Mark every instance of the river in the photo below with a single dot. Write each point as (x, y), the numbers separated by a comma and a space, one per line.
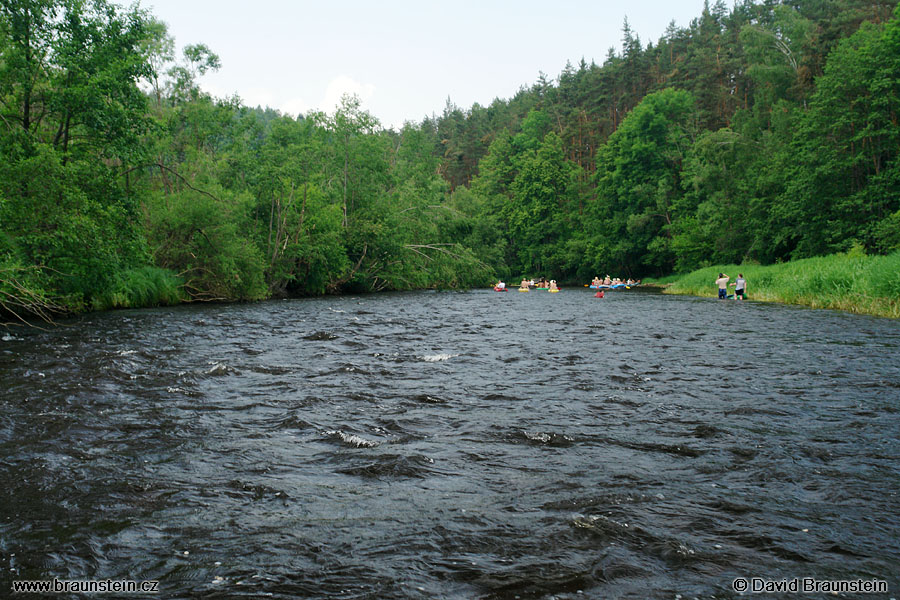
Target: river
(453, 445)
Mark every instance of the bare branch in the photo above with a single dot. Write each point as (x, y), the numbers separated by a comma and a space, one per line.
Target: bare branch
(163, 167)
(438, 248)
(453, 210)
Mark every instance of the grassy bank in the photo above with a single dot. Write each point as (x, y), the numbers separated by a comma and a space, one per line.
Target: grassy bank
(852, 282)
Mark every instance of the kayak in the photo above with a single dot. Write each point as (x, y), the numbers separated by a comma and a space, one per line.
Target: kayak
(553, 291)
(523, 289)
(496, 289)
(540, 288)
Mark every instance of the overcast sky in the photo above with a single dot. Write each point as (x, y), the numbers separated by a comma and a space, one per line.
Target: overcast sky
(403, 58)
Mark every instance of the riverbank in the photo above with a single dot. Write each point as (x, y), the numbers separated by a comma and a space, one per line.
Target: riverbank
(851, 282)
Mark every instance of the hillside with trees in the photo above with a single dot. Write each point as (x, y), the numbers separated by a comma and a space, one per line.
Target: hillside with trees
(760, 134)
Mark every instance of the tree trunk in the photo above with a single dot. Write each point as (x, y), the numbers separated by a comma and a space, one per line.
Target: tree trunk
(346, 170)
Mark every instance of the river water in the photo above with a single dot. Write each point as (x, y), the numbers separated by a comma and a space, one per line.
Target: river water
(453, 445)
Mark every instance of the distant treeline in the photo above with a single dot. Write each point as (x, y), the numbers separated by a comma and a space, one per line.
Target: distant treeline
(764, 133)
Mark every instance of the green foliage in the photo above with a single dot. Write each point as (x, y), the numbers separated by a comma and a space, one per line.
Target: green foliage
(715, 216)
(639, 182)
(70, 220)
(72, 115)
(198, 236)
(845, 177)
(885, 234)
(775, 52)
(472, 224)
(312, 205)
(536, 219)
(299, 228)
(405, 235)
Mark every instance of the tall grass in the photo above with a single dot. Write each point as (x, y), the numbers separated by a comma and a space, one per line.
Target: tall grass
(852, 282)
(141, 287)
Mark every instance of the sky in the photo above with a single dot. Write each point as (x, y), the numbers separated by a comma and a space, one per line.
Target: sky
(403, 58)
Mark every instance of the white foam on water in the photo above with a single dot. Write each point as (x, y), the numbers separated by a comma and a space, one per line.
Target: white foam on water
(437, 357)
(352, 439)
(538, 437)
(218, 368)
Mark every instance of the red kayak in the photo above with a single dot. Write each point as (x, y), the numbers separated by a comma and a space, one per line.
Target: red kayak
(496, 289)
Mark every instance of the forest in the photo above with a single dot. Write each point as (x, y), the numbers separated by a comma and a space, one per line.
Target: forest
(759, 134)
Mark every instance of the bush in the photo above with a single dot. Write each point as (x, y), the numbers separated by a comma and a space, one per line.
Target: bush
(200, 238)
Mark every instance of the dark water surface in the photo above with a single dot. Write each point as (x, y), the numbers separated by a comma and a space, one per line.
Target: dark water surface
(453, 445)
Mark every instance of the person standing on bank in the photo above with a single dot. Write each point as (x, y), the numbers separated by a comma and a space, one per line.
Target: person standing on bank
(722, 282)
(740, 287)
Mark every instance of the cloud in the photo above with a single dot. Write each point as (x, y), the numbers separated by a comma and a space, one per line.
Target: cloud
(293, 104)
(341, 85)
(294, 107)
(257, 97)
(267, 98)
(251, 96)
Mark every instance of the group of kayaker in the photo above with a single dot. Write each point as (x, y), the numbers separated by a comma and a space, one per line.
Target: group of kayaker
(540, 284)
(528, 284)
(550, 285)
(740, 285)
(611, 281)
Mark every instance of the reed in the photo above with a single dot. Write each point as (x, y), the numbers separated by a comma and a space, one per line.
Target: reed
(142, 287)
(851, 282)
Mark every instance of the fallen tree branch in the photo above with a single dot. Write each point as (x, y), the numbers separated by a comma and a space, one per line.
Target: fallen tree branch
(19, 301)
(438, 248)
(336, 284)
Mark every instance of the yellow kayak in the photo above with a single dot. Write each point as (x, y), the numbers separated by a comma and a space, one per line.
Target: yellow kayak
(523, 289)
(553, 291)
